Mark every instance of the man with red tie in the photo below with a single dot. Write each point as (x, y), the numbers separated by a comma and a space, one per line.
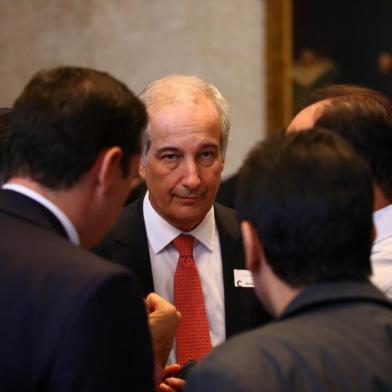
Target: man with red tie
(183, 239)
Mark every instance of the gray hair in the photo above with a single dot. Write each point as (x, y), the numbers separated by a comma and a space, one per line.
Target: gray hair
(174, 89)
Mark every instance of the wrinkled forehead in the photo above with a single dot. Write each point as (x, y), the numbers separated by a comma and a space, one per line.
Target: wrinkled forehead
(307, 117)
(189, 115)
(182, 100)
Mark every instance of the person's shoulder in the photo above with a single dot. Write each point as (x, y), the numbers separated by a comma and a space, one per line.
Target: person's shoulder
(130, 221)
(227, 191)
(241, 363)
(79, 265)
(227, 213)
(227, 220)
(131, 213)
(262, 346)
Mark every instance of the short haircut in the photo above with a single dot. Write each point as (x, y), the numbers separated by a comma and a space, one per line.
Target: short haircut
(341, 90)
(65, 118)
(309, 196)
(4, 123)
(177, 89)
(363, 117)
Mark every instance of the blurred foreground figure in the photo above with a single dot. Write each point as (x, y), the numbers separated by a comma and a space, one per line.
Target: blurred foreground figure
(306, 202)
(362, 117)
(70, 321)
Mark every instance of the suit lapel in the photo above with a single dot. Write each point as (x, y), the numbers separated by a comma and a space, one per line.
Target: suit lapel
(242, 307)
(238, 301)
(132, 246)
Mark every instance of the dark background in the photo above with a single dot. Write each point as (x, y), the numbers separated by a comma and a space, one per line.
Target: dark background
(350, 32)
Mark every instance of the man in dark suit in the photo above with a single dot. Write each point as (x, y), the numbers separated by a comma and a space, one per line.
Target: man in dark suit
(363, 117)
(307, 228)
(69, 320)
(183, 157)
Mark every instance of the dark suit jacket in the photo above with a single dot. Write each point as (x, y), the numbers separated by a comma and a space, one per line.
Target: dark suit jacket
(332, 337)
(127, 244)
(227, 191)
(69, 320)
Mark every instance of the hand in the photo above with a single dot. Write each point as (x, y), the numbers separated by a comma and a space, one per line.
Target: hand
(163, 319)
(171, 384)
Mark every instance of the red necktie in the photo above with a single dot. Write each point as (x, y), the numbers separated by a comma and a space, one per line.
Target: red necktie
(192, 338)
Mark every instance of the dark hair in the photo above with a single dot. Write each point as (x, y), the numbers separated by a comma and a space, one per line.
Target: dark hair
(64, 118)
(364, 120)
(4, 120)
(340, 90)
(310, 197)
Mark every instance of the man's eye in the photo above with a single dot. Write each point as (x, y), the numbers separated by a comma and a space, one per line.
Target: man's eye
(207, 154)
(170, 157)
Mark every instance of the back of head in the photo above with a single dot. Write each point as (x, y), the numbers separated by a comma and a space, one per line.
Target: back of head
(182, 89)
(309, 196)
(364, 119)
(341, 90)
(64, 118)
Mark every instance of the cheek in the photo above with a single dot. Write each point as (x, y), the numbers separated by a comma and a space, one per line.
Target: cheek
(212, 178)
(155, 170)
(160, 185)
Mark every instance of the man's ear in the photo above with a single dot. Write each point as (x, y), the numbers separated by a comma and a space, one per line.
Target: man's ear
(142, 168)
(253, 250)
(108, 168)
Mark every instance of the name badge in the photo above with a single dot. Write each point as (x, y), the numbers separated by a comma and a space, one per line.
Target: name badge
(243, 278)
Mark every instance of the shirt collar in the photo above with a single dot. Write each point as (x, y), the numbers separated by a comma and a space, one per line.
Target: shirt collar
(64, 220)
(382, 220)
(161, 233)
(329, 293)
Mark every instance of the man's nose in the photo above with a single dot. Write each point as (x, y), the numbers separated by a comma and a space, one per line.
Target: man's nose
(191, 177)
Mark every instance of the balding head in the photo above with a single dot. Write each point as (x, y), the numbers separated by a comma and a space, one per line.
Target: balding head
(308, 116)
(177, 90)
(363, 117)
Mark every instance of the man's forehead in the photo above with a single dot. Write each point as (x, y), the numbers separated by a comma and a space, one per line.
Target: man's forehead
(307, 117)
(196, 103)
(170, 119)
(177, 139)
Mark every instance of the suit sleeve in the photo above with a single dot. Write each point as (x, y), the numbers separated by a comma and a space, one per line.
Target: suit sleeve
(212, 378)
(106, 344)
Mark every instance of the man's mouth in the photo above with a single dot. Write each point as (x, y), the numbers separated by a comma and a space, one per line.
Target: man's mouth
(189, 199)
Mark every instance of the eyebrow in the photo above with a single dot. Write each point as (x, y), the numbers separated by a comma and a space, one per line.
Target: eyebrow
(162, 150)
(166, 149)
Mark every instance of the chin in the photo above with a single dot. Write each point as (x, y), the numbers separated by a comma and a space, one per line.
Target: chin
(186, 224)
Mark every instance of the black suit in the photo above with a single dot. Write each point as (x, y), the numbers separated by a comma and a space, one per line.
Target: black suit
(127, 244)
(69, 320)
(332, 337)
(227, 191)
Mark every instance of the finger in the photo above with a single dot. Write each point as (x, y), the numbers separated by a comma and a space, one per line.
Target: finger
(152, 301)
(171, 369)
(176, 383)
(165, 388)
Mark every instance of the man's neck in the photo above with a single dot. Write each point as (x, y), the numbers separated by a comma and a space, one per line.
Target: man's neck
(283, 295)
(274, 292)
(380, 201)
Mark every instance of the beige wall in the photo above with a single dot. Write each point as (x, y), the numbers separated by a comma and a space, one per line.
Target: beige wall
(140, 40)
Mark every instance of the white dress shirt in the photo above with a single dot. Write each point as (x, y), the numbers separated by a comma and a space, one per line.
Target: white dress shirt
(382, 251)
(207, 255)
(64, 220)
